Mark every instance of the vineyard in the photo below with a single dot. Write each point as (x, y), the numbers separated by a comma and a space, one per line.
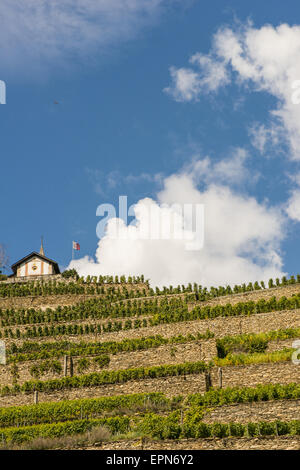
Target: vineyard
(112, 362)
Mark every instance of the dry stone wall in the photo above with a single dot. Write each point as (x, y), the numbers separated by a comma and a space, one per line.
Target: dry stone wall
(24, 279)
(43, 301)
(221, 326)
(230, 443)
(240, 376)
(284, 410)
(53, 301)
(258, 323)
(233, 376)
(165, 354)
(254, 296)
(280, 344)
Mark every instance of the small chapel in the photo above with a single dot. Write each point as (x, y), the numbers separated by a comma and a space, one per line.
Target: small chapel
(35, 264)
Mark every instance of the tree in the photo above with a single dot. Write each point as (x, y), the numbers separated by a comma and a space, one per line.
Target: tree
(4, 259)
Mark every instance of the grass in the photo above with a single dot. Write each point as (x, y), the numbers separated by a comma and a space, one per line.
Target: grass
(283, 355)
(94, 437)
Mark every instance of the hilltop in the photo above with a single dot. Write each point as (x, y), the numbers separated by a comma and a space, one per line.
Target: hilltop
(114, 362)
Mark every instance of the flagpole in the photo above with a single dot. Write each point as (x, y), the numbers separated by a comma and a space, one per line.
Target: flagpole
(72, 250)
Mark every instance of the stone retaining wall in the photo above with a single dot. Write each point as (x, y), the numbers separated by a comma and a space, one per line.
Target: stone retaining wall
(37, 301)
(44, 277)
(43, 301)
(233, 376)
(231, 443)
(221, 326)
(254, 296)
(284, 410)
(165, 354)
(51, 301)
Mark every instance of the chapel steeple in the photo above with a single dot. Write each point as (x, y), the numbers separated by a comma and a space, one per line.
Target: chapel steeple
(42, 247)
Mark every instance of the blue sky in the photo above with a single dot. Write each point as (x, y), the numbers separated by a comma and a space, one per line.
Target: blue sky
(117, 131)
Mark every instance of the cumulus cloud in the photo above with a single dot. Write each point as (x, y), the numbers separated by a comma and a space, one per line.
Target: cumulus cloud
(267, 138)
(293, 205)
(38, 31)
(231, 170)
(104, 182)
(188, 84)
(241, 236)
(264, 59)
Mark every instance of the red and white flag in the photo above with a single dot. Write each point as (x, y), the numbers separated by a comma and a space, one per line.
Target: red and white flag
(76, 246)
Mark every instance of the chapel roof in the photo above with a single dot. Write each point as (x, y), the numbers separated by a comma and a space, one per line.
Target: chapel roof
(37, 255)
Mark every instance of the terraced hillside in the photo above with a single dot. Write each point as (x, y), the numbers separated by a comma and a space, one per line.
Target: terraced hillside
(114, 363)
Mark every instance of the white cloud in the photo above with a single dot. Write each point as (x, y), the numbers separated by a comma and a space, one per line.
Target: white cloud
(259, 136)
(38, 31)
(102, 182)
(230, 171)
(143, 177)
(268, 58)
(187, 84)
(242, 236)
(293, 205)
(270, 138)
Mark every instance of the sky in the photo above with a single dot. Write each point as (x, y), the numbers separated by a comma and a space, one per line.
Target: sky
(166, 102)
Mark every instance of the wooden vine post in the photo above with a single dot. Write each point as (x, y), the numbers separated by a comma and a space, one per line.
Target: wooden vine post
(71, 366)
(65, 365)
(208, 383)
(35, 397)
(220, 375)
